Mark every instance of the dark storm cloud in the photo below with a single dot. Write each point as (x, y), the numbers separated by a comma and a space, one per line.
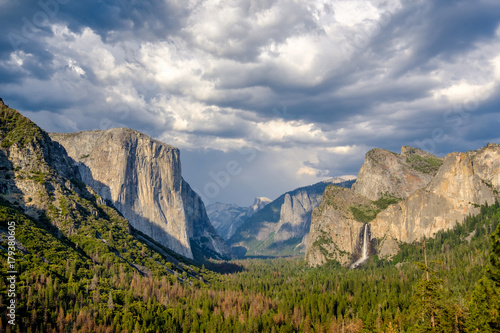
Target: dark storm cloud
(295, 80)
(23, 25)
(433, 29)
(150, 20)
(437, 29)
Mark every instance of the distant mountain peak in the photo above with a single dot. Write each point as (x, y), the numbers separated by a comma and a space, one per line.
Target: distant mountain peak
(227, 218)
(281, 226)
(257, 205)
(338, 180)
(261, 199)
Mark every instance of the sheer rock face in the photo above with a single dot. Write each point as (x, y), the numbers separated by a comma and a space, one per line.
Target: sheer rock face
(487, 164)
(334, 233)
(282, 226)
(295, 215)
(142, 178)
(398, 175)
(463, 182)
(432, 200)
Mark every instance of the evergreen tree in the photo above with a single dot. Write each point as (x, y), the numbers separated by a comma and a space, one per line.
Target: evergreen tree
(485, 304)
(484, 316)
(430, 312)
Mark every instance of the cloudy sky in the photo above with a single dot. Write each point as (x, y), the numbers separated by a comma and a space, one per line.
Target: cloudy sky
(261, 96)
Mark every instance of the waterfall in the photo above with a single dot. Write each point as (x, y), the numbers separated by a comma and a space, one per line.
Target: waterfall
(364, 255)
(364, 250)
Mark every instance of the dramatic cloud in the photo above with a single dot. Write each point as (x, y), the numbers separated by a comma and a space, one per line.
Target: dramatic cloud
(290, 91)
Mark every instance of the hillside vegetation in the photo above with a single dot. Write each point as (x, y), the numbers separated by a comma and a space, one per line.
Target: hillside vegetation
(81, 267)
(66, 286)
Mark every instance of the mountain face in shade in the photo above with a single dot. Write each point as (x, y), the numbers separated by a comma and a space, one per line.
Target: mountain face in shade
(142, 178)
(335, 229)
(227, 218)
(282, 226)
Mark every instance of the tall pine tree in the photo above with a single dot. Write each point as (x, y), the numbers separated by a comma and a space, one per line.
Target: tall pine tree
(485, 305)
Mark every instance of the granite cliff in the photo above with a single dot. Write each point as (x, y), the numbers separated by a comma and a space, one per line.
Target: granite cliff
(335, 231)
(386, 173)
(463, 182)
(141, 177)
(403, 198)
(282, 226)
(227, 218)
(63, 228)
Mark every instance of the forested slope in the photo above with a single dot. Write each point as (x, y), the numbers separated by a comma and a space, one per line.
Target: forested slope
(95, 291)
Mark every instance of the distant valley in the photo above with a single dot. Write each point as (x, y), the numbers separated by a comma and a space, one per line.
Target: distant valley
(108, 237)
(227, 218)
(282, 226)
(399, 197)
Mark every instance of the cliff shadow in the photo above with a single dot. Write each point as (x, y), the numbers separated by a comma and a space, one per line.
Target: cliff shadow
(12, 197)
(8, 188)
(84, 178)
(223, 267)
(239, 251)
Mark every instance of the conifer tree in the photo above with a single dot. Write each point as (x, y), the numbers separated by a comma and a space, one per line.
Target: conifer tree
(485, 305)
(430, 311)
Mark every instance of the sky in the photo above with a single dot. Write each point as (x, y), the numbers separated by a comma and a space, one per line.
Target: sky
(260, 96)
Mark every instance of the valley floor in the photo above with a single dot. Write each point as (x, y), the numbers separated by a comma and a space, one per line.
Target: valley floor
(454, 292)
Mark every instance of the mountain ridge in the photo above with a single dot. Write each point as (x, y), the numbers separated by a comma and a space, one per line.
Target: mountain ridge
(227, 218)
(281, 227)
(141, 176)
(42, 191)
(384, 172)
(408, 205)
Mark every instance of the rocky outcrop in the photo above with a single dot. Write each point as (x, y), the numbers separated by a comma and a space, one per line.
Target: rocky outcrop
(60, 220)
(281, 227)
(227, 218)
(35, 172)
(463, 182)
(433, 200)
(398, 175)
(487, 165)
(335, 233)
(141, 177)
(258, 204)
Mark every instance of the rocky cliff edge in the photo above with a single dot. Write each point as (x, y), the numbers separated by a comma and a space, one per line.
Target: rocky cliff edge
(142, 178)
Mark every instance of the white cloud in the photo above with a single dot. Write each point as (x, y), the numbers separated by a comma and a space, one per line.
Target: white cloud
(464, 91)
(341, 150)
(77, 69)
(496, 66)
(307, 171)
(220, 78)
(351, 13)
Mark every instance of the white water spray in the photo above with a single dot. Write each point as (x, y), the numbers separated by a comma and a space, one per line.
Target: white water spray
(364, 251)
